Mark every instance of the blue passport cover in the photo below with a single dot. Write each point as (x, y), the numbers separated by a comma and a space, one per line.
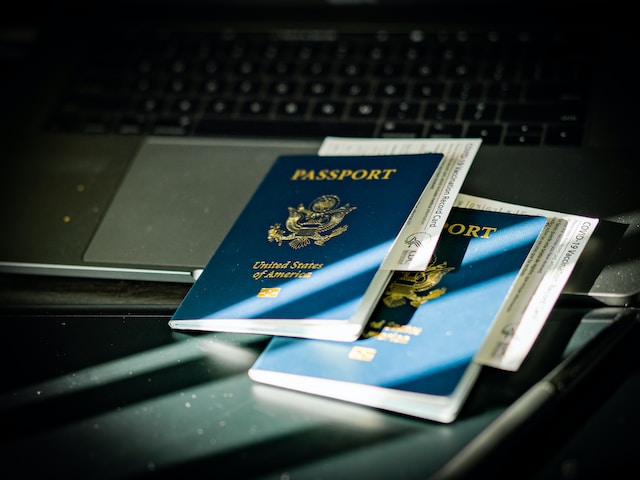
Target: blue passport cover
(303, 257)
(415, 354)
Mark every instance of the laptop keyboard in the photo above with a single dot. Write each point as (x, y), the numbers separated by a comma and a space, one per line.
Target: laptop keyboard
(507, 88)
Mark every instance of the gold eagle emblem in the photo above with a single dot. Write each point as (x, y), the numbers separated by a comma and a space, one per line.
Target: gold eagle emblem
(416, 287)
(316, 223)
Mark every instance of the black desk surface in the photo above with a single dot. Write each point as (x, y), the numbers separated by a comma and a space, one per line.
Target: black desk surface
(91, 391)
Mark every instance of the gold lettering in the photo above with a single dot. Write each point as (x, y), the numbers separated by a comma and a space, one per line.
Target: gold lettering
(472, 231)
(262, 264)
(487, 231)
(343, 174)
(359, 174)
(374, 175)
(388, 172)
(406, 329)
(469, 231)
(299, 174)
(456, 229)
(311, 266)
(393, 337)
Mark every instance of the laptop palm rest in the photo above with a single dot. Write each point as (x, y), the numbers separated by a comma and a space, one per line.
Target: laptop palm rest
(179, 198)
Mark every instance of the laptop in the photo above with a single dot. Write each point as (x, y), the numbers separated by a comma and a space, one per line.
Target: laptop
(134, 132)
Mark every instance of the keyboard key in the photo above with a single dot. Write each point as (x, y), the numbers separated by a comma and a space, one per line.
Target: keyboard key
(430, 90)
(402, 129)
(500, 71)
(504, 91)
(354, 89)
(388, 69)
(213, 66)
(213, 86)
(184, 105)
(485, 112)
(441, 111)
(177, 67)
(424, 70)
(461, 71)
(403, 111)
(466, 91)
(282, 87)
(351, 69)
(172, 126)
(391, 90)
(281, 68)
(365, 109)
(317, 69)
(255, 107)
(221, 107)
(248, 87)
(444, 130)
(490, 134)
(151, 104)
(523, 135)
(146, 85)
(292, 108)
(564, 135)
(329, 109)
(318, 88)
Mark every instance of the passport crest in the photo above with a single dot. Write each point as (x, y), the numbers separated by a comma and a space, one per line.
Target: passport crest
(317, 223)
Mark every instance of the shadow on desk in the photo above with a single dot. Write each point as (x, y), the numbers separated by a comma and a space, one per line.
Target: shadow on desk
(118, 394)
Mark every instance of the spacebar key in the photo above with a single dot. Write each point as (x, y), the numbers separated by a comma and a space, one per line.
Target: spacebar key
(284, 128)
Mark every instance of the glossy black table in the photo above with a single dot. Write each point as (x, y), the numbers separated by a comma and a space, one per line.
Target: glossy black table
(96, 385)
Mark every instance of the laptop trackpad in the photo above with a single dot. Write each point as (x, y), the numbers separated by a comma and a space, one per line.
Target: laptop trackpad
(179, 199)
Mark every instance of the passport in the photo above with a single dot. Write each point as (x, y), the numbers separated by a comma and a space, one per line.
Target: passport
(304, 257)
(416, 353)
